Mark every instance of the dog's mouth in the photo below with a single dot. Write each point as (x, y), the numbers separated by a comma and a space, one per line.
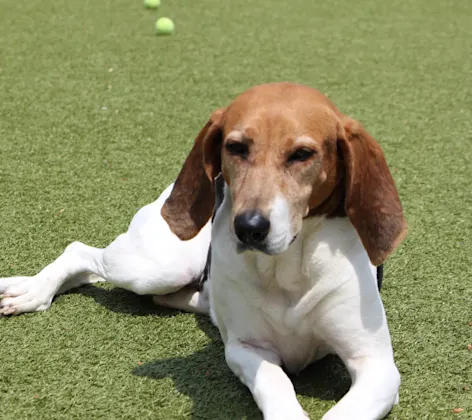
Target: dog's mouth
(242, 247)
(264, 248)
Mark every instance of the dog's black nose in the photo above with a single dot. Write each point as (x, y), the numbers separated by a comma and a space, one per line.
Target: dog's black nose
(251, 227)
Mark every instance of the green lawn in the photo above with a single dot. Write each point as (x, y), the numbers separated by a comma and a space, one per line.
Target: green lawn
(96, 117)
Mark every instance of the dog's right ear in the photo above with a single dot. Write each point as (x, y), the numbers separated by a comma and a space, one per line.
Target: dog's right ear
(371, 202)
(192, 200)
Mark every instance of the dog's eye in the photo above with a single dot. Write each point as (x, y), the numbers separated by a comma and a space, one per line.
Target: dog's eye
(301, 155)
(237, 148)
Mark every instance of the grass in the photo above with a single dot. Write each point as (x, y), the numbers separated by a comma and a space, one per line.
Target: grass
(96, 117)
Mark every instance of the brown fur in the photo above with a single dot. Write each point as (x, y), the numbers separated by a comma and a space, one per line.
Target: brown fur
(372, 203)
(192, 200)
(348, 174)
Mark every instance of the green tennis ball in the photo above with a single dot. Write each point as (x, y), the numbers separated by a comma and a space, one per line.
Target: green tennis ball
(152, 4)
(164, 26)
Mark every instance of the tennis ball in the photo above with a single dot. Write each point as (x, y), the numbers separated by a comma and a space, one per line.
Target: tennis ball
(164, 26)
(152, 4)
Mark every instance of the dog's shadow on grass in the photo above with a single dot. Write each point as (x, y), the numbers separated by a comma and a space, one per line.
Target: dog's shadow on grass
(122, 301)
(204, 376)
(217, 393)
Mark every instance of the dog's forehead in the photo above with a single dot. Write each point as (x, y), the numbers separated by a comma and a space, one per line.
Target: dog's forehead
(281, 110)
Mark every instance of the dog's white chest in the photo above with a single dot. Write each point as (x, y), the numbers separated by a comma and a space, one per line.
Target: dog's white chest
(254, 307)
(273, 299)
(281, 301)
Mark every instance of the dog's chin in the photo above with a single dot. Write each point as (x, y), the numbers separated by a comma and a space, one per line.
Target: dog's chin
(268, 249)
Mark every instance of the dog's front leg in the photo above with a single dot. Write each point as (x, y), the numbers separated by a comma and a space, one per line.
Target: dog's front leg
(374, 390)
(259, 369)
(355, 326)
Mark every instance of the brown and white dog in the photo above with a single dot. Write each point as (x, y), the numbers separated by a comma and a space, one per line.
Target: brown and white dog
(310, 208)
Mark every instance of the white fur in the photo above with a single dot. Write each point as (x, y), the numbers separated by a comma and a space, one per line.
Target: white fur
(279, 236)
(318, 297)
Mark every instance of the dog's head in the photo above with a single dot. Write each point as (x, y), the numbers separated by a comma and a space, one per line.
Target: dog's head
(287, 153)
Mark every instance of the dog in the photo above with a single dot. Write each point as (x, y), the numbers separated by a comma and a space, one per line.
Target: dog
(309, 210)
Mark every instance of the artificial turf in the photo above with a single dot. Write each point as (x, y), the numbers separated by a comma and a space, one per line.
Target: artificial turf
(96, 117)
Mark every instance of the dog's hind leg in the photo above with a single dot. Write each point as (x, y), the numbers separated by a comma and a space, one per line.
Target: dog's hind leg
(162, 266)
(75, 267)
(148, 259)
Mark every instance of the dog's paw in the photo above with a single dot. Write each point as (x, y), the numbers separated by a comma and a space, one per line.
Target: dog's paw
(23, 294)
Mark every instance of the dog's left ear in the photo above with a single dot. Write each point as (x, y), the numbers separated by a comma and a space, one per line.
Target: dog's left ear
(371, 198)
(191, 202)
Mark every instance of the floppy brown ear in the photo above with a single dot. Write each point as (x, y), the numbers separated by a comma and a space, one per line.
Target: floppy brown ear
(191, 202)
(371, 198)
